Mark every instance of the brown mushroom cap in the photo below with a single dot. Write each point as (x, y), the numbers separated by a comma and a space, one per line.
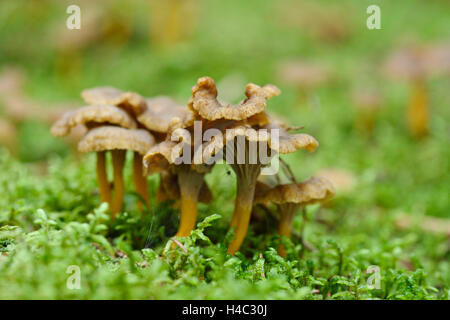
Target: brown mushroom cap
(204, 101)
(343, 180)
(418, 61)
(98, 114)
(287, 143)
(303, 74)
(107, 138)
(161, 111)
(313, 190)
(130, 101)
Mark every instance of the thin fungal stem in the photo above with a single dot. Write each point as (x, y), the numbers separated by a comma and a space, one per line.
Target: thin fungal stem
(246, 181)
(288, 211)
(418, 109)
(190, 183)
(102, 178)
(118, 159)
(140, 182)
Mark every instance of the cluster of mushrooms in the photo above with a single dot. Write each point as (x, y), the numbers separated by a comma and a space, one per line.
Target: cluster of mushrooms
(164, 138)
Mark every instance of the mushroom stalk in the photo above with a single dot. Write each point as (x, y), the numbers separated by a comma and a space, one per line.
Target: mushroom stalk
(190, 182)
(140, 182)
(102, 177)
(118, 159)
(288, 211)
(246, 181)
(418, 109)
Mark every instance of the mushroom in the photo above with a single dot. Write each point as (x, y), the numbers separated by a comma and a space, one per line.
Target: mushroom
(8, 136)
(97, 116)
(118, 140)
(172, 20)
(241, 142)
(205, 104)
(92, 116)
(344, 181)
(168, 156)
(415, 64)
(240, 148)
(303, 75)
(290, 197)
(161, 111)
(367, 104)
(129, 101)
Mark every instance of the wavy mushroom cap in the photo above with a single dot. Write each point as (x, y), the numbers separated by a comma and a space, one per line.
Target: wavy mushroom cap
(95, 114)
(129, 101)
(313, 190)
(289, 143)
(204, 101)
(343, 180)
(106, 138)
(161, 111)
(418, 61)
(285, 143)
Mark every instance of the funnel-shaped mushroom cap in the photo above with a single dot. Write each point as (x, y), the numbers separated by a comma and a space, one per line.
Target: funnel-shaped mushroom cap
(303, 74)
(130, 101)
(418, 62)
(96, 114)
(161, 111)
(107, 138)
(204, 101)
(308, 192)
(289, 143)
(343, 180)
(274, 134)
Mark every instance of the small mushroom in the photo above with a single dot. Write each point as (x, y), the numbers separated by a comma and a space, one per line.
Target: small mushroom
(8, 136)
(304, 76)
(161, 111)
(416, 64)
(367, 104)
(290, 197)
(118, 140)
(204, 101)
(344, 181)
(240, 148)
(131, 102)
(92, 116)
(167, 156)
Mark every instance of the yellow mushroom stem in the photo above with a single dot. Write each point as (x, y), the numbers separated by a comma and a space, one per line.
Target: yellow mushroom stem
(418, 109)
(102, 177)
(287, 211)
(246, 180)
(118, 160)
(140, 182)
(190, 182)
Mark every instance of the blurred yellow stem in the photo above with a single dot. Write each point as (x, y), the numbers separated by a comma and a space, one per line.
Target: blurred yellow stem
(418, 109)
